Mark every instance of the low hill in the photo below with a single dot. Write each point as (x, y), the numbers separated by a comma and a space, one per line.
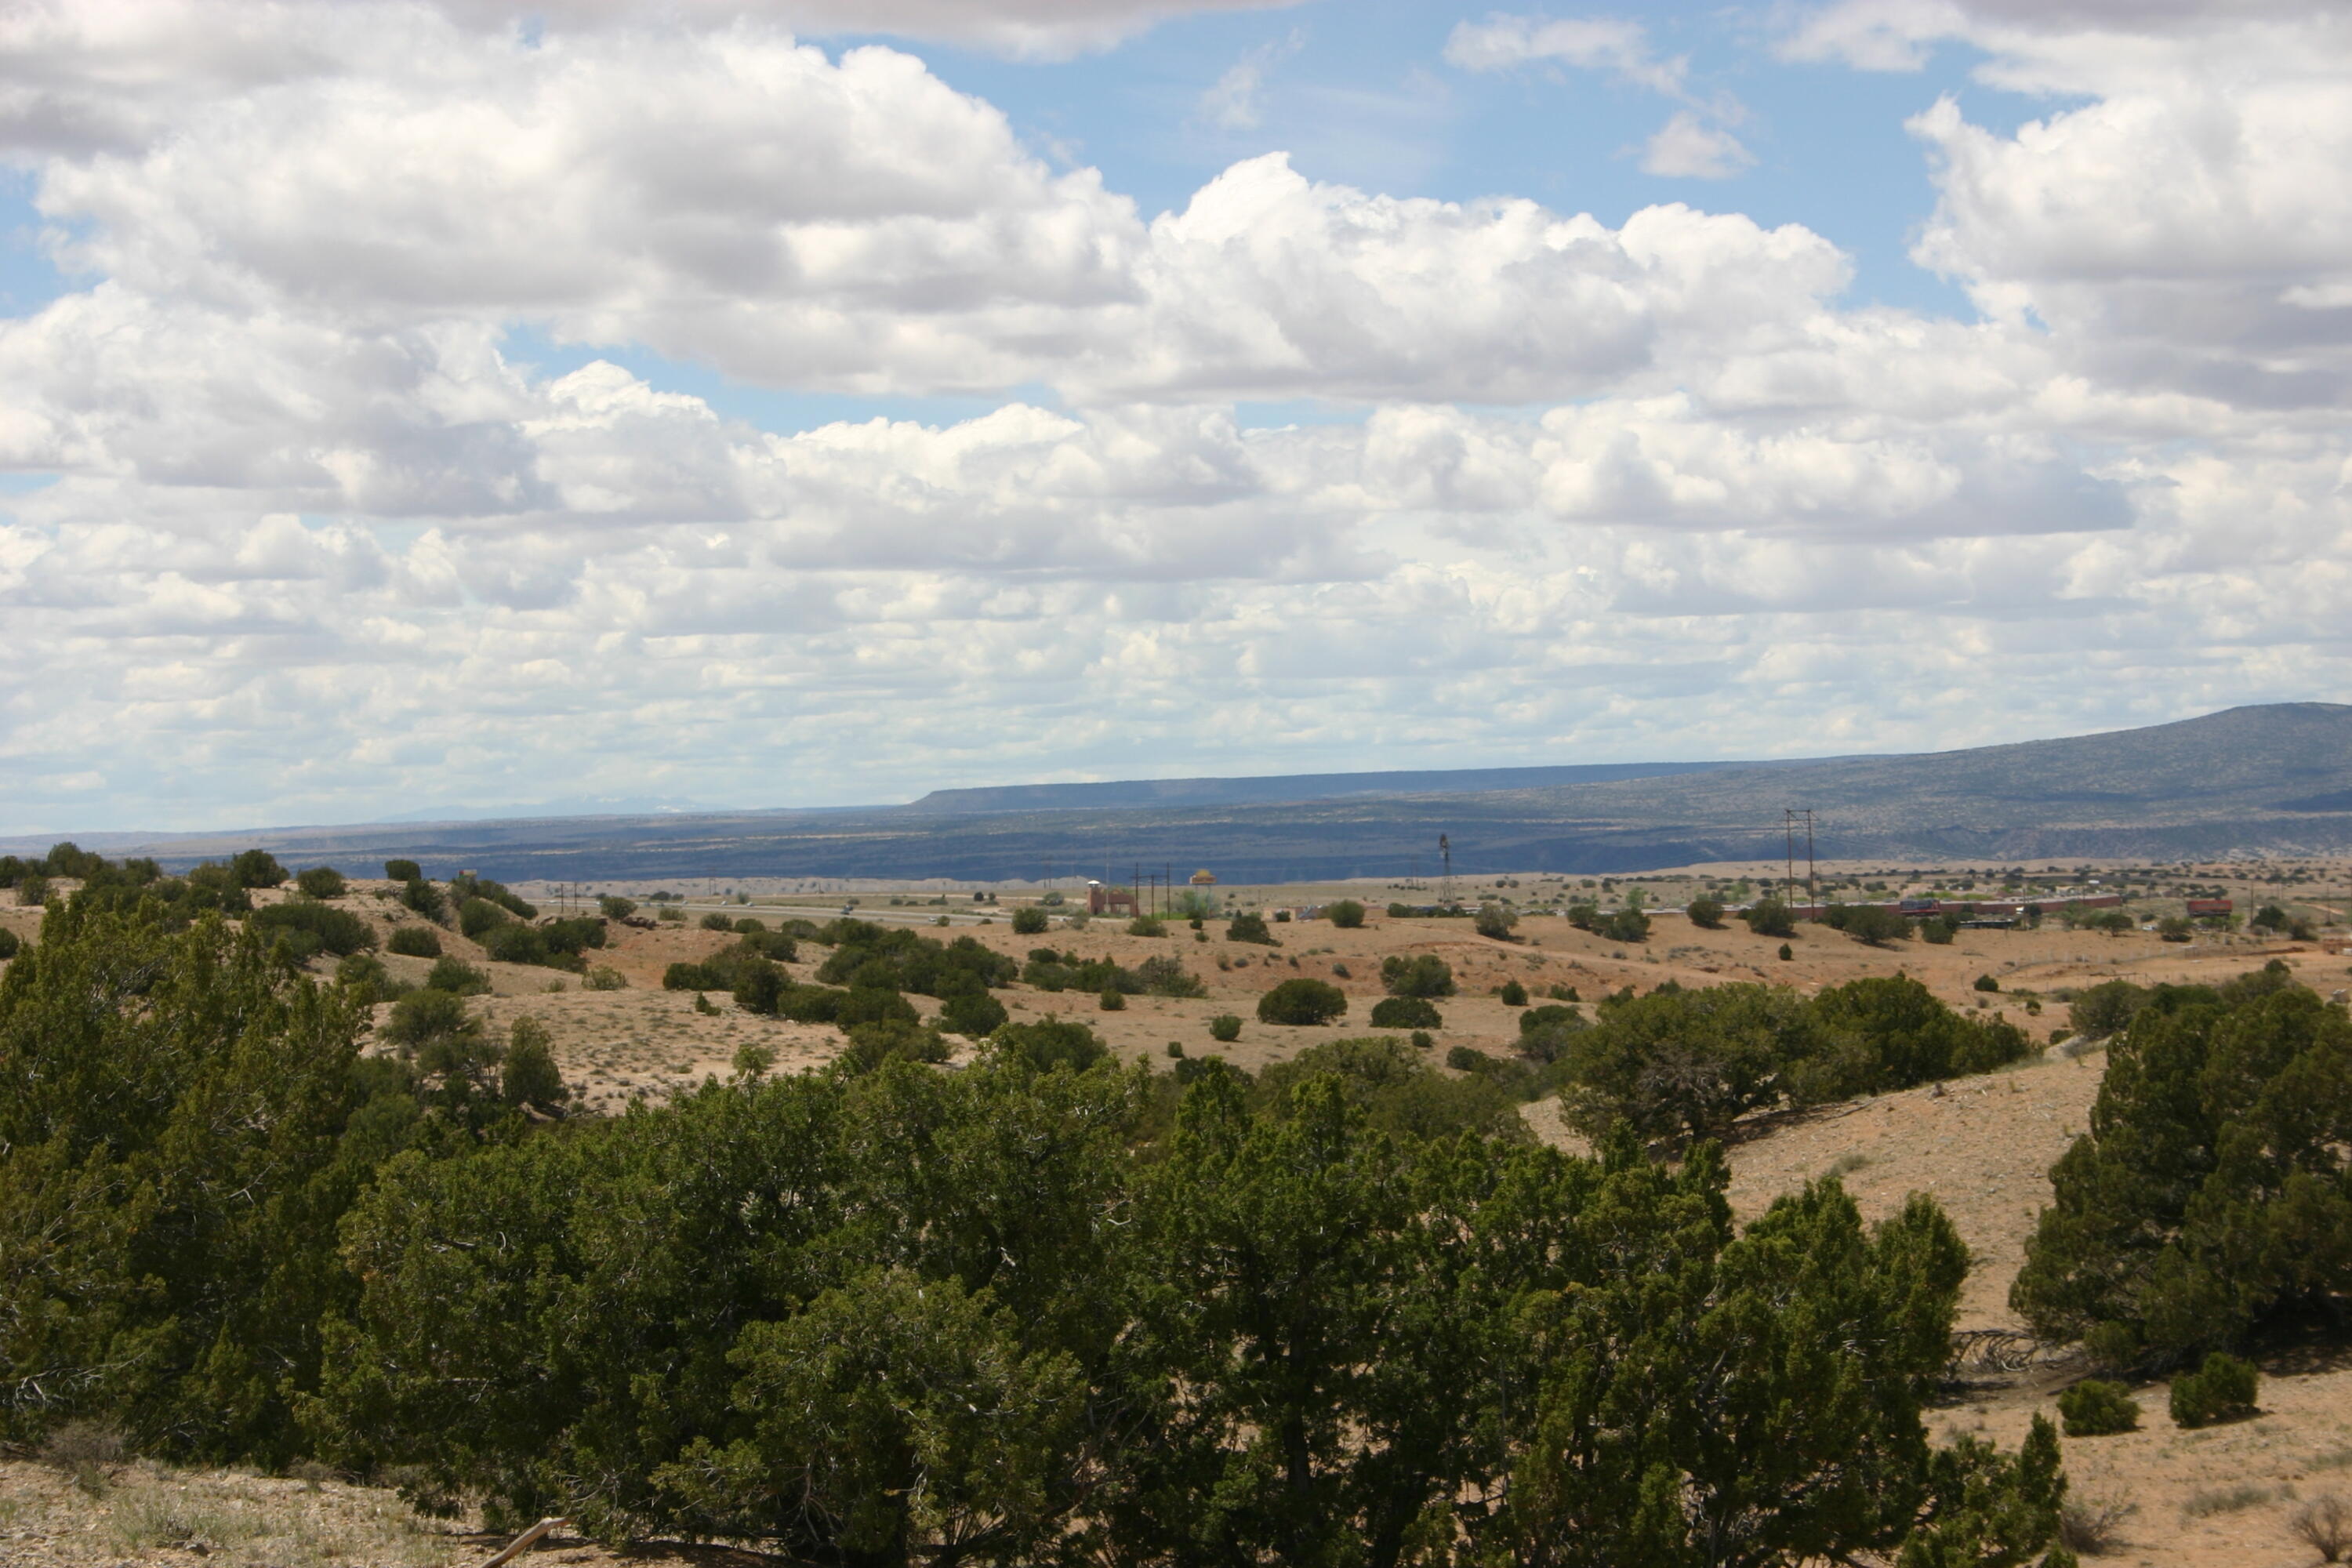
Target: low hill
(1275, 789)
(2249, 780)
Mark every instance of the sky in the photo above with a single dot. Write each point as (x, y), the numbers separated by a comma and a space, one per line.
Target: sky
(461, 406)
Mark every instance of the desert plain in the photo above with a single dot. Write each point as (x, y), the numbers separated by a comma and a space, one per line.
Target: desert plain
(1983, 1147)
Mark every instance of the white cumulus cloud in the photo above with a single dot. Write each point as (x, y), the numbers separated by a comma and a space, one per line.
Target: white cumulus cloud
(1685, 148)
(1610, 44)
(321, 541)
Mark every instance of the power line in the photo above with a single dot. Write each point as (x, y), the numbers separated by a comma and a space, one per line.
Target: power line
(1790, 817)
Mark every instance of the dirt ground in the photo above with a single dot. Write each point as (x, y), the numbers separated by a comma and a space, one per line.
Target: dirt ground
(641, 1040)
(140, 1515)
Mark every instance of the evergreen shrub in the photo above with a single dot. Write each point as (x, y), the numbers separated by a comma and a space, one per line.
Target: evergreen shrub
(2221, 1390)
(2095, 1407)
(1302, 1001)
(413, 941)
(1406, 1012)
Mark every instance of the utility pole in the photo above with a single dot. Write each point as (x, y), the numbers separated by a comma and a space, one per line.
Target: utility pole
(1791, 816)
(1813, 894)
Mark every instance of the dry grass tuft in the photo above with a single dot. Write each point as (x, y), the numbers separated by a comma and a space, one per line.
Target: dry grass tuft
(233, 1518)
(2091, 1527)
(2224, 1499)
(251, 1523)
(86, 1450)
(2324, 1524)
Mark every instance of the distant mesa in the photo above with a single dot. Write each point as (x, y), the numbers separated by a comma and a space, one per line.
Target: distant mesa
(2339, 801)
(2248, 781)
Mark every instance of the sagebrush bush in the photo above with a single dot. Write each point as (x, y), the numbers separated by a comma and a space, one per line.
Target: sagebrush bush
(1166, 976)
(1406, 1012)
(308, 927)
(1029, 921)
(2097, 1408)
(2106, 1009)
(1874, 925)
(425, 1015)
(321, 883)
(413, 941)
(1498, 921)
(528, 1074)
(475, 916)
(1630, 924)
(1398, 1091)
(556, 943)
(1344, 914)
(368, 982)
(1302, 1001)
(873, 1004)
(1225, 1028)
(1544, 1031)
(892, 1039)
(1048, 1044)
(2324, 1524)
(2222, 1389)
(1422, 974)
(457, 978)
(256, 868)
(898, 959)
(974, 1014)
(1248, 927)
(426, 899)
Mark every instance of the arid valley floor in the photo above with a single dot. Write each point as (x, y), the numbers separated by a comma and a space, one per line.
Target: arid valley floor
(1981, 1146)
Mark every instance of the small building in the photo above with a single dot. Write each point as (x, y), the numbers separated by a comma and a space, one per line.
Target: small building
(2199, 906)
(1103, 899)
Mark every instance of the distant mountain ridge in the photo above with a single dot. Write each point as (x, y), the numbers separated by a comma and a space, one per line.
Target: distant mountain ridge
(2275, 778)
(1137, 794)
